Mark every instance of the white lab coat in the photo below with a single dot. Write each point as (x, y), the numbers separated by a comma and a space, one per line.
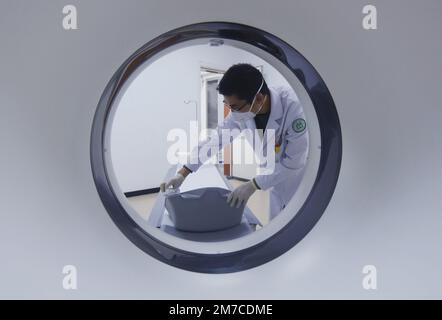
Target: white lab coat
(286, 115)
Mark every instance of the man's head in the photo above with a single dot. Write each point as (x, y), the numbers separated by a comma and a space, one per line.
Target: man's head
(239, 86)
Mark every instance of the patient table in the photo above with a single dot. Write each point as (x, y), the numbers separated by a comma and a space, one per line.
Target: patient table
(206, 176)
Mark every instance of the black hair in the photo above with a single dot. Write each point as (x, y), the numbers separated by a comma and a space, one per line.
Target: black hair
(242, 80)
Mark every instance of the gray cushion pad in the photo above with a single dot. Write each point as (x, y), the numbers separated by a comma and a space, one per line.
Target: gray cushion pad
(203, 210)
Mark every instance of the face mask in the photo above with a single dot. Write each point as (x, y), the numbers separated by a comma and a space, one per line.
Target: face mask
(243, 116)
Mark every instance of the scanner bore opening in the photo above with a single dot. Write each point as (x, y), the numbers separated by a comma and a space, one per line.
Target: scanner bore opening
(318, 198)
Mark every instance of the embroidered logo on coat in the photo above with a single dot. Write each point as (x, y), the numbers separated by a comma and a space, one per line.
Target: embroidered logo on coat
(299, 125)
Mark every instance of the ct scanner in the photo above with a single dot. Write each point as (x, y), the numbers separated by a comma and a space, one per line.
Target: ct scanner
(371, 197)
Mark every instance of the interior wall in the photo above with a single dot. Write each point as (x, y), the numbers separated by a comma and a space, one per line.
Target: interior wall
(154, 104)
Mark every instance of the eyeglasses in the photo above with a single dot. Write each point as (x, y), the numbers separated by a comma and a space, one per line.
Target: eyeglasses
(233, 106)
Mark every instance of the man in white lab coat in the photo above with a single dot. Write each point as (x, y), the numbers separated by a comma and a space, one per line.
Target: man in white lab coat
(276, 110)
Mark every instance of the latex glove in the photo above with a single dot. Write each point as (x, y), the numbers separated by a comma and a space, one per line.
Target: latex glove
(175, 182)
(241, 194)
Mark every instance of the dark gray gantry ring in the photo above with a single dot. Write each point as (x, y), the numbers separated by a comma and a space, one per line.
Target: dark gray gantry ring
(318, 198)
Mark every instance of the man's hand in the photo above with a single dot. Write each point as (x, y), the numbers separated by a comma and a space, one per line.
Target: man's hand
(175, 182)
(241, 194)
